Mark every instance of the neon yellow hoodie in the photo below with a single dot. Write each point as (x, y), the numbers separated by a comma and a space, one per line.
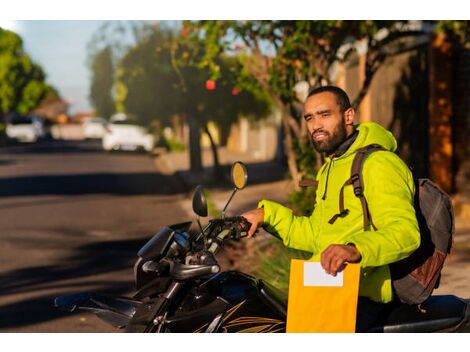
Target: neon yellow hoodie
(389, 190)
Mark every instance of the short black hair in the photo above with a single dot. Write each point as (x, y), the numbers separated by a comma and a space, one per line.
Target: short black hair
(341, 97)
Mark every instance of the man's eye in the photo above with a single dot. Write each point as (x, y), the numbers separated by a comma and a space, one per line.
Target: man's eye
(307, 118)
(326, 114)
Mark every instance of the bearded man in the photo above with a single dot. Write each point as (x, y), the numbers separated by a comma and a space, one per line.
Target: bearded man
(388, 187)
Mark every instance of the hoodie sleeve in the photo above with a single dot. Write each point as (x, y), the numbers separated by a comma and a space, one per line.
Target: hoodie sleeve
(389, 190)
(294, 231)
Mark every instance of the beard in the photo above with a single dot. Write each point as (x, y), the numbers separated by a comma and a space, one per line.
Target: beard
(333, 140)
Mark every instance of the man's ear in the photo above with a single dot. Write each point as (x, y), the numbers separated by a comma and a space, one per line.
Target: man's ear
(349, 116)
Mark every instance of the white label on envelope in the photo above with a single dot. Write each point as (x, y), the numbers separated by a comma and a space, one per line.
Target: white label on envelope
(315, 275)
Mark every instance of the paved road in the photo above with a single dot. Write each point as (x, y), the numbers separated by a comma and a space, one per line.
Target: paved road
(72, 219)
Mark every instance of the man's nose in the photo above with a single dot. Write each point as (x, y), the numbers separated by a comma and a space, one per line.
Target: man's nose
(314, 125)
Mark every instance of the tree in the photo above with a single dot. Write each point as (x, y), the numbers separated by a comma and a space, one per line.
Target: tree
(105, 49)
(224, 103)
(102, 82)
(221, 103)
(156, 80)
(280, 54)
(146, 80)
(22, 82)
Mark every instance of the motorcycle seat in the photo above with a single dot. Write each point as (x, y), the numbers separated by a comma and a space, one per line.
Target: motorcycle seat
(444, 313)
(276, 298)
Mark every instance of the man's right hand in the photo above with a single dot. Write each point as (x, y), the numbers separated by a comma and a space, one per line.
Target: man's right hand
(256, 218)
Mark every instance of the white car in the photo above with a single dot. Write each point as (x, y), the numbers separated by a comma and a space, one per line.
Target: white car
(125, 134)
(94, 127)
(26, 129)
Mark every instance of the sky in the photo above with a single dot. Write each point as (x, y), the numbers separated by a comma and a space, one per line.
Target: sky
(60, 47)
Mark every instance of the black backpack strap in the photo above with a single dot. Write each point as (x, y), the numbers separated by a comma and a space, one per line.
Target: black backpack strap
(358, 186)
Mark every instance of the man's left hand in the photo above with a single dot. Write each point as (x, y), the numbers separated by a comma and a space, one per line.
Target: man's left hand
(334, 257)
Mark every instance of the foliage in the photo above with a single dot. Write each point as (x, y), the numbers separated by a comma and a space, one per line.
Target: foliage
(102, 82)
(175, 146)
(274, 264)
(459, 31)
(303, 201)
(156, 80)
(152, 84)
(277, 55)
(223, 104)
(146, 80)
(22, 82)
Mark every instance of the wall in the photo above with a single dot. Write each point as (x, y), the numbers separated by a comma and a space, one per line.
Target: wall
(258, 138)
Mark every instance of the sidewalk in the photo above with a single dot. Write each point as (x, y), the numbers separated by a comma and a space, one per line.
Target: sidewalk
(177, 163)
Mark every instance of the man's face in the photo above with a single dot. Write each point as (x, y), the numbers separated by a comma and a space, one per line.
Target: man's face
(326, 123)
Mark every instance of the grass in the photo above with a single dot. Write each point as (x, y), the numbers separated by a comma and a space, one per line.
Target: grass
(274, 266)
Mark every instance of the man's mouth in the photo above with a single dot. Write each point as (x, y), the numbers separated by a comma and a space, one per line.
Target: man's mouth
(319, 136)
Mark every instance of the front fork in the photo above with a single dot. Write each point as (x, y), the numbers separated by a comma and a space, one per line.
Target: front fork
(160, 309)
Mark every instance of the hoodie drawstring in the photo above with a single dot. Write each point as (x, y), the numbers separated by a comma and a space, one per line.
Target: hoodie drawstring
(327, 176)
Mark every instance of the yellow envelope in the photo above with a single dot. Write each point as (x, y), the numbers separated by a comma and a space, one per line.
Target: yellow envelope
(319, 302)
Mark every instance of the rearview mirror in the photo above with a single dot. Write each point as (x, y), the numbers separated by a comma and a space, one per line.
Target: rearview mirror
(199, 201)
(239, 175)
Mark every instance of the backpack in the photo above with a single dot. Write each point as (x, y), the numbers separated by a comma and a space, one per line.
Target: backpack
(415, 277)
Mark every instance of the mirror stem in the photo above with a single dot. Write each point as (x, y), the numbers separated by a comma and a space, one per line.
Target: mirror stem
(228, 202)
(202, 231)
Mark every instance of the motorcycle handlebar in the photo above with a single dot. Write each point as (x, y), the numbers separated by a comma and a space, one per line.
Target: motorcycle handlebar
(237, 225)
(154, 267)
(181, 272)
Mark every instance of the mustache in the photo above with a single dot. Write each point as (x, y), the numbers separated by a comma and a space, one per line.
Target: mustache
(319, 131)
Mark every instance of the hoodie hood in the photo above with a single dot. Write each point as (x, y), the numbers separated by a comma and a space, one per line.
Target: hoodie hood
(371, 133)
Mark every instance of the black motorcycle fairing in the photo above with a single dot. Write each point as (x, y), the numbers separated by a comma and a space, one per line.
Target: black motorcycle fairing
(276, 298)
(444, 313)
(249, 310)
(227, 302)
(157, 246)
(142, 279)
(116, 311)
(152, 288)
(196, 320)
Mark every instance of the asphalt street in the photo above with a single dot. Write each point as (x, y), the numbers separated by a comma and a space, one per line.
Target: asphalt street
(72, 219)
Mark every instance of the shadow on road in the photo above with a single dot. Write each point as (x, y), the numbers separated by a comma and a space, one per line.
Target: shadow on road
(69, 275)
(55, 146)
(262, 172)
(97, 183)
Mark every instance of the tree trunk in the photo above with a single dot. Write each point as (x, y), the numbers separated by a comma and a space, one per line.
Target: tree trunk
(441, 114)
(217, 171)
(287, 120)
(290, 126)
(195, 158)
(224, 133)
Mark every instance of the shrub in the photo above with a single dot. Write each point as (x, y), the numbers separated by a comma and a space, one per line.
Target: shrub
(274, 266)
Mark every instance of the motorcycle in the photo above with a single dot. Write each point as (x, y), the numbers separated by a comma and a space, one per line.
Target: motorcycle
(181, 288)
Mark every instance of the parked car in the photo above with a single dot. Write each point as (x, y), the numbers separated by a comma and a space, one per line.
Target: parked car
(27, 129)
(94, 127)
(124, 133)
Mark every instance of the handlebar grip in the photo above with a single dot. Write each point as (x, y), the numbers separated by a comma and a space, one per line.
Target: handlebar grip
(245, 222)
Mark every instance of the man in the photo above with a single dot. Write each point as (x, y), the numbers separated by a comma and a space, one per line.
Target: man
(388, 188)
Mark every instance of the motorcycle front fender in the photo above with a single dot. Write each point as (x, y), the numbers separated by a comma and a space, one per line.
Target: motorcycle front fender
(116, 311)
